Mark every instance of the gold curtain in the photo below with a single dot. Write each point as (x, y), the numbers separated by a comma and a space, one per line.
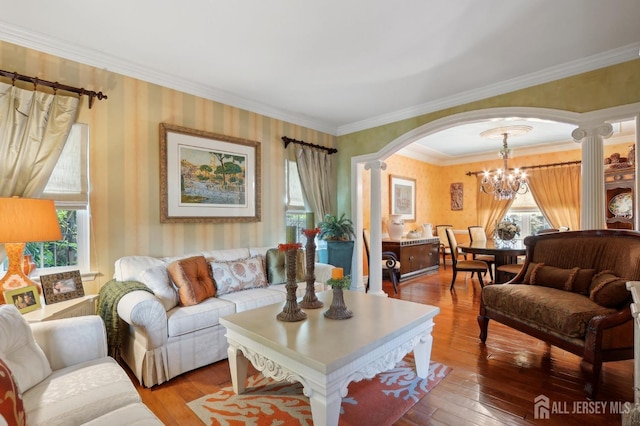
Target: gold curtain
(556, 190)
(33, 130)
(489, 210)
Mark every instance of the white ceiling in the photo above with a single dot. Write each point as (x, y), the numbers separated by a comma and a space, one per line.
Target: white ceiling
(337, 66)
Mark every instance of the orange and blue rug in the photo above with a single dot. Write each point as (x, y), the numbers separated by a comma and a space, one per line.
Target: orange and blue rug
(381, 400)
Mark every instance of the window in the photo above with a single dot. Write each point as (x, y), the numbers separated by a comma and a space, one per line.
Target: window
(525, 212)
(68, 186)
(295, 214)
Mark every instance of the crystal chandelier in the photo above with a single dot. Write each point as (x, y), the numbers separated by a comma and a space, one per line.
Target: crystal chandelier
(503, 183)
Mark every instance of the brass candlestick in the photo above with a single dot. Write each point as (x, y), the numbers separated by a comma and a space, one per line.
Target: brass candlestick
(310, 300)
(291, 311)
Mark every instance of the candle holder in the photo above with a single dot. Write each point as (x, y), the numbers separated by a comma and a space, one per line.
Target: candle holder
(291, 311)
(310, 300)
(338, 310)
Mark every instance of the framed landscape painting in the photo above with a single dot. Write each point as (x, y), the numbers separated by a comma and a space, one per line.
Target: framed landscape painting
(207, 177)
(402, 196)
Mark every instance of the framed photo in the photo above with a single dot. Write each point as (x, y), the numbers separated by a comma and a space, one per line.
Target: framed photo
(402, 197)
(207, 177)
(26, 299)
(456, 190)
(62, 286)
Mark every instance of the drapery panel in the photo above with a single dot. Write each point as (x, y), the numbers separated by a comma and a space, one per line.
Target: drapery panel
(34, 127)
(315, 168)
(557, 191)
(489, 210)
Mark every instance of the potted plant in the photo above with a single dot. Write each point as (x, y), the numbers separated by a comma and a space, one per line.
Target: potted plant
(338, 233)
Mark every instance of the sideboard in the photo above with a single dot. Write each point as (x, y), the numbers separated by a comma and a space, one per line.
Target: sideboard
(417, 255)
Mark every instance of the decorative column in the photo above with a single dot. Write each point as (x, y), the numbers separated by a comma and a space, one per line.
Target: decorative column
(375, 243)
(592, 213)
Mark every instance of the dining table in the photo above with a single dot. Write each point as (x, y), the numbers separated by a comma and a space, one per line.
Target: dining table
(505, 252)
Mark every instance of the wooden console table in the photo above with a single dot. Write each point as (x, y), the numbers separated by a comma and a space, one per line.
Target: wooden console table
(417, 255)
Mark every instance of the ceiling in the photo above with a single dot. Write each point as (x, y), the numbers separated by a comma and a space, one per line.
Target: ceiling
(339, 66)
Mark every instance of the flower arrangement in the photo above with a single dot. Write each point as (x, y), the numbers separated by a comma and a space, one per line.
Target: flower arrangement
(342, 282)
(507, 229)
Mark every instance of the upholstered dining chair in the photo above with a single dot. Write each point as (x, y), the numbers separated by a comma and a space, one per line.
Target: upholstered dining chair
(444, 243)
(463, 265)
(477, 233)
(390, 263)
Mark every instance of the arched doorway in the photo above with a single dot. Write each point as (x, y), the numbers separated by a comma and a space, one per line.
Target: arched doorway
(358, 162)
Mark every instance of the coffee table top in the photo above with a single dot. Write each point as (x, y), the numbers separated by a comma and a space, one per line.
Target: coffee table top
(326, 344)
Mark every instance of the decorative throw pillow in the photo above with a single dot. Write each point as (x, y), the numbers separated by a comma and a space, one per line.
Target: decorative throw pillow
(532, 267)
(11, 406)
(609, 290)
(550, 276)
(157, 279)
(277, 269)
(236, 275)
(192, 276)
(582, 282)
(20, 351)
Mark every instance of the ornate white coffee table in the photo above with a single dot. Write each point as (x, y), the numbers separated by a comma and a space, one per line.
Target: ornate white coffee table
(325, 355)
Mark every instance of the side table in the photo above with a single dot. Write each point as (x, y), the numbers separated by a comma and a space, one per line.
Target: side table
(85, 305)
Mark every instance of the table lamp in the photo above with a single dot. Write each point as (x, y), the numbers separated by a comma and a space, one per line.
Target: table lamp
(24, 220)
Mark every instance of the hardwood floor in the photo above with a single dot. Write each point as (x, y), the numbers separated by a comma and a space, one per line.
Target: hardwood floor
(492, 384)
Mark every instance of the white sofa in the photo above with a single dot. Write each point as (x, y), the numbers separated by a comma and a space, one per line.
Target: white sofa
(165, 339)
(64, 375)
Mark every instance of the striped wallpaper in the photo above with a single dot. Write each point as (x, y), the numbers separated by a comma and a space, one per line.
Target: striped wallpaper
(124, 161)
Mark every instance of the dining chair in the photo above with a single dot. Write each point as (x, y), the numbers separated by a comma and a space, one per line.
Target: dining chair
(477, 233)
(463, 265)
(444, 243)
(390, 263)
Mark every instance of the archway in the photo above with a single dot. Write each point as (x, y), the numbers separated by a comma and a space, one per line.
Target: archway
(358, 162)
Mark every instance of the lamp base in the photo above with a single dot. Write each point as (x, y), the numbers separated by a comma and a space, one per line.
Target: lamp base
(15, 277)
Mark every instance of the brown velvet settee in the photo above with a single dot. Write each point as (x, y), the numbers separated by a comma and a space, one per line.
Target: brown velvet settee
(571, 294)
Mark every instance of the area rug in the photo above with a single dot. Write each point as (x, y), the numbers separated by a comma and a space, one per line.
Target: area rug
(379, 401)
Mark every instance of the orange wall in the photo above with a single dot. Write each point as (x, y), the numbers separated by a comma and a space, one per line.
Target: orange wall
(432, 185)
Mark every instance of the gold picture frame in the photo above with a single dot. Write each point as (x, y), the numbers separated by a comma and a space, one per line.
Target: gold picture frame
(61, 286)
(208, 177)
(26, 299)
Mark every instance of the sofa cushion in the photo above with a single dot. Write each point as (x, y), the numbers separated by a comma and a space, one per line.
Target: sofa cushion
(129, 267)
(192, 276)
(582, 282)
(256, 298)
(276, 266)
(227, 254)
(19, 349)
(545, 308)
(236, 275)
(76, 394)
(133, 414)
(11, 405)
(197, 317)
(550, 276)
(158, 281)
(609, 290)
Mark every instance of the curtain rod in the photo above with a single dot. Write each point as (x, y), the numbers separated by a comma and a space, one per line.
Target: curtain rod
(287, 141)
(55, 85)
(539, 166)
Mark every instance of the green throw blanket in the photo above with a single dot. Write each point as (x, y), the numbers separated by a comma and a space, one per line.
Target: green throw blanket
(108, 298)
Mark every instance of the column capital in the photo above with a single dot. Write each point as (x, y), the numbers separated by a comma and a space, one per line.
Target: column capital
(604, 130)
(375, 165)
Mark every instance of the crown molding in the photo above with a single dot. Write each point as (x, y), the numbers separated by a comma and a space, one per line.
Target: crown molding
(49, 45)
(605, 59)
(94, 58)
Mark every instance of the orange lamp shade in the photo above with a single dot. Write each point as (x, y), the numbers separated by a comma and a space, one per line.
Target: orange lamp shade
(24, 220)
